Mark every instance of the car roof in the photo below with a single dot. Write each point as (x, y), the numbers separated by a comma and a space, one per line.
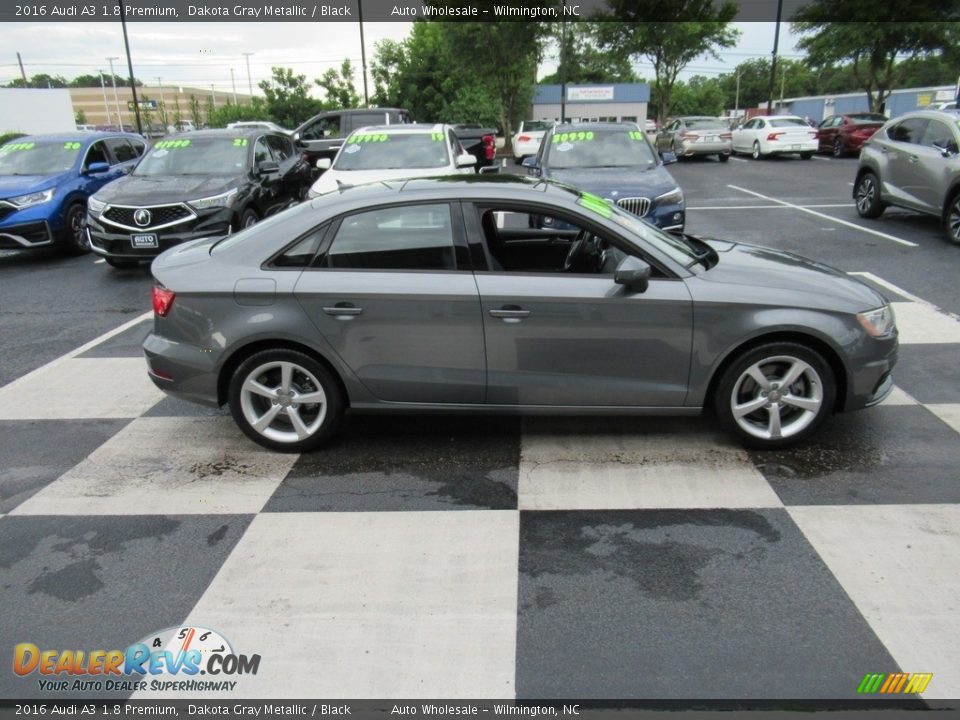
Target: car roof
(224, 133)
(567, 127)
(939, 114)
(403, 129)
(85, 137)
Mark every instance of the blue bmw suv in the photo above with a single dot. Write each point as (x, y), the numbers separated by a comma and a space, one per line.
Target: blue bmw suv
(616, 162)
(45, 181)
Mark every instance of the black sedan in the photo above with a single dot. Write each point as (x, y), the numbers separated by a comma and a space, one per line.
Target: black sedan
(199, 184)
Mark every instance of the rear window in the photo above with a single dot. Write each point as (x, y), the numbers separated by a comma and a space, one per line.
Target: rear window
(704, 123)
(867, 119)
(536, 126)
(787, 122)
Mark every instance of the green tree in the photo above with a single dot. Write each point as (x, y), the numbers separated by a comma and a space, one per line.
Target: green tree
(80, 118)
(195, 116)
(208, 108)
(870, 37)
(288, 101)
(40, 80)
(582, 61)
(662, 33)
(755, 79)
(230, 112)
(699, 96)
(338, 86)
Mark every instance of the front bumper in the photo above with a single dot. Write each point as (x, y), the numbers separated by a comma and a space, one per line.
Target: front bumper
(26, 235)
(870, 382)
(115, 242)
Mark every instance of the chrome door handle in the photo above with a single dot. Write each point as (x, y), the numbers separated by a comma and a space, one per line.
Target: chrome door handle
(343, 310)
(510, 312)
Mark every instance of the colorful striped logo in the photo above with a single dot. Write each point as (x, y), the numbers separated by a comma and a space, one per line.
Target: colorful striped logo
(894, 683)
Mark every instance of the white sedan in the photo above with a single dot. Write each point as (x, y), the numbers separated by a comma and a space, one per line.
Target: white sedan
(775, 135)
(526, 141)
(393, 152)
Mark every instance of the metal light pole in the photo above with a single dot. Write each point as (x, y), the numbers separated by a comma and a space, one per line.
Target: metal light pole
(23, 74)
(163, 104)
(736, 101)
(233, 82)
(133, 83)
(106, 105)
(363, 54)
(773, 63)
(249, 81)
(563, 64)
(116, 98)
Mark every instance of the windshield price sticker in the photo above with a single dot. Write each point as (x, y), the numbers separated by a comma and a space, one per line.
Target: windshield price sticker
(436, 137)
(239, 142)
(70, 146)
(170, 144)
(635, 135)
(581, 136)
(382, 137)
(21, 146)
(595, 203)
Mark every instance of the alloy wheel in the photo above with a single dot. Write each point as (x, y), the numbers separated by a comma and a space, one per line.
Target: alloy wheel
(866, 194)
(953, 220)
(283, 401)
(777, 397)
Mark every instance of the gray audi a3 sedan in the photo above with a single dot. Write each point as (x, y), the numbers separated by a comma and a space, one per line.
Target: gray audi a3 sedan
(438, 295)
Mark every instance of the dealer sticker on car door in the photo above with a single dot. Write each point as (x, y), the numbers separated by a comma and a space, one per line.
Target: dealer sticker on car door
(144, 241)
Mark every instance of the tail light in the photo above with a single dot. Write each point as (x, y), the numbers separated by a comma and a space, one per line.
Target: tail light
(162, 300)
(689, 136)
(726, 136)
(489, 148)
(524, 138)
(775, 135)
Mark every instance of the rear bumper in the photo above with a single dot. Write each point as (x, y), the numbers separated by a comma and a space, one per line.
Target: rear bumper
(181, 370)
(689, 149)
(790, 148)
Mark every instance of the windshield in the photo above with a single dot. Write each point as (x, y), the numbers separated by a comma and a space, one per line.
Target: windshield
(867, 119)
(536, 126)
(600, 148)
(37, 157)
(663, 241)
(788, 122)
(196, 156)
(382, 151)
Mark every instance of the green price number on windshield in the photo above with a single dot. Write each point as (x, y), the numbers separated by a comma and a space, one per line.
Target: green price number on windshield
(580, 136)
(18, 146)
(171, 144)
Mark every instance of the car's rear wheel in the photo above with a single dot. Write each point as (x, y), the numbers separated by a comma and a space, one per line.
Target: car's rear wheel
(74, 239)
(248, 217)
(723, 157)
(806, 155)
(120, 264)
(285, 400)
(952, 220)
(755, 152)
(775, 395)
(867, 196)
(838, 149)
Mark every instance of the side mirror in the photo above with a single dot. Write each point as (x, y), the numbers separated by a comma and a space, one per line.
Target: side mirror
(633, 273)
(95, 168)
(267, 167)
(296, 138)
(466, 160)
(530, 161)
(668, 158)
(324, 164)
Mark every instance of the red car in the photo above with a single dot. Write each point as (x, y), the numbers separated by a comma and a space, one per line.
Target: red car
(842, 134)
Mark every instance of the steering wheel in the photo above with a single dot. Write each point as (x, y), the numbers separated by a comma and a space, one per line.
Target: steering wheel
(577, 248)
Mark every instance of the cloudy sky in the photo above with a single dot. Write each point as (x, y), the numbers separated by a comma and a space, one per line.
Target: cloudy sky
(200, 54)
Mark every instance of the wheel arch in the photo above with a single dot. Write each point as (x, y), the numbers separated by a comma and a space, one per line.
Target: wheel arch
(240, 354)
(811, 341)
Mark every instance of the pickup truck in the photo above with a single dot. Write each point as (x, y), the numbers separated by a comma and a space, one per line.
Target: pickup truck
(479, 142)
(323, 134)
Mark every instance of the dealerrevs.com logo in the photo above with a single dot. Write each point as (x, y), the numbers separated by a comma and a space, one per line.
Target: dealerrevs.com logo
(171, 660)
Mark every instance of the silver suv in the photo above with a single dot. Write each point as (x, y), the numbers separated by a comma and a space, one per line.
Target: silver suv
(913, 162)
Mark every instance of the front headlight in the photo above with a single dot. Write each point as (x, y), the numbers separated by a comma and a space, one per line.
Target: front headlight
(95, 206)
(879, 322)
(674, 196)
(25, 201)
(214, 201)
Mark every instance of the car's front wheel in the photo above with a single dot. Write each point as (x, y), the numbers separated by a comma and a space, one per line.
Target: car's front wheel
(838, 149)
(74, 240)
(952, 220)
(248, 217)
(867, 196)
(285, 400)
(775, 395)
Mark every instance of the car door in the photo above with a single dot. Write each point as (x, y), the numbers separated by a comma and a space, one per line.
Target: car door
(557, 338)
(98, 152)
(294, 175)
(393, 294)
(827, 132)
(929, 174)
(901, 151)
(743, 138)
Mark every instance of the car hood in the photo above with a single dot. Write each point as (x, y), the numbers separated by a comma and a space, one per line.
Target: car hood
(14, 185)
(328, 181)
(137, 190)
(616, 183)
(782, 276)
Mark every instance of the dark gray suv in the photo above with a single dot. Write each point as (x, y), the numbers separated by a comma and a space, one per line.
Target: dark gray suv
(913, 162)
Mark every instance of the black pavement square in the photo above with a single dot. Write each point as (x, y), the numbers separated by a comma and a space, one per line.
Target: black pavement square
(125, 344)
(683, 604)
(930, 373)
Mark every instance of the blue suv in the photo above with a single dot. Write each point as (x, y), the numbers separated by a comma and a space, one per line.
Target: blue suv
(616, 162)
(45, 181)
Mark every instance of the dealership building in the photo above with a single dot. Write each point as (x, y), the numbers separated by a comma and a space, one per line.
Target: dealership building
(820, 107)
(612, 102)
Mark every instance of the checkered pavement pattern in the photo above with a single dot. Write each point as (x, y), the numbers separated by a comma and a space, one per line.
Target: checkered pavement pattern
(489, 557)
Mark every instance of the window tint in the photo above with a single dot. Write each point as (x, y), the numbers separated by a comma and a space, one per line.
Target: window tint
(121, 149)
(281, 147)
(359, 120)
(908, 131)
(788, 122)
(301, 252)
(328, 127)
(704, 123)
(412, 237)
(138, 147)
(261, 151)
(938, 135)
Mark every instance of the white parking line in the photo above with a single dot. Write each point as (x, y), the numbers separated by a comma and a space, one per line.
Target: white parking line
(885, 236)
(767, 207)
(97, 262)
(817, 157)
(736, 159)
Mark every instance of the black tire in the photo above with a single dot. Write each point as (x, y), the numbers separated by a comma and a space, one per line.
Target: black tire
(73, 238)
(866, 194)
(951, 219)
(723, 157)
(806, 155)
(755, 152)
(247, 218)
(518, 160)
(838, 149)
(121, 264)
(318, 420)
(757, 418)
